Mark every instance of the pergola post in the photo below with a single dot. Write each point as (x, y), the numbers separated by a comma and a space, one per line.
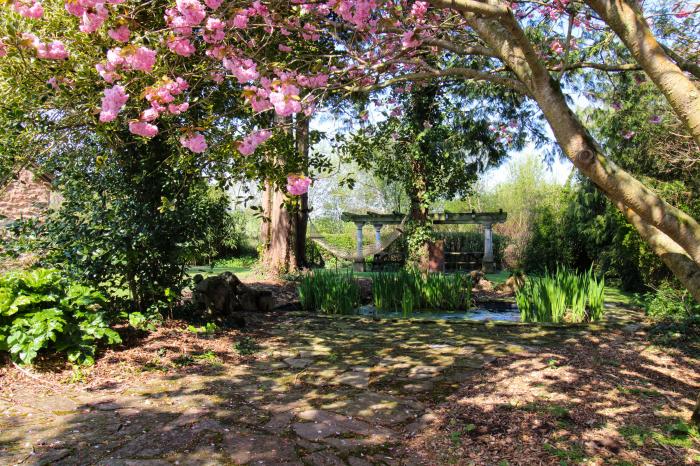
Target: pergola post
(378, 235)
(359, 262)
(487, 264)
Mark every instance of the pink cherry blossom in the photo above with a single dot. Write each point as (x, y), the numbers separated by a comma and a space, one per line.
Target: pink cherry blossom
(93, 18)
(112, 103)
(142, 59)
(181, 46)
(419, 9)
(284, 48)
(176, 109)
(120, 34)
(29, 8)
(213, 4)
(150, 114)
(556, 47)
(240, 21)
(51, 51)
(258, 98)
(252, 141)
(628, 134)
(192, 11)
(244, 70)
(3, 49)
(409, 40)
(142, 128)
(214, 31)
(53, 82)
(194, 142)
(655, 119)
(298, 184)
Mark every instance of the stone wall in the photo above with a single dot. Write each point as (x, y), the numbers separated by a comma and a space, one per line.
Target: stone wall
(26, 195)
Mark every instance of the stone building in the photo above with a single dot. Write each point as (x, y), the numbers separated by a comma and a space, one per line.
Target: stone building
(26, 193)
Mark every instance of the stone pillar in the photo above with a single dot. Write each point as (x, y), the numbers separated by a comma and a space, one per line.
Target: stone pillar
(378, 236)
(487, 264)
(359, 262)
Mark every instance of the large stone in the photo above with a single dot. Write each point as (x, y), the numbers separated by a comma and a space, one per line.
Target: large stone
(224, 294)
(358, 377)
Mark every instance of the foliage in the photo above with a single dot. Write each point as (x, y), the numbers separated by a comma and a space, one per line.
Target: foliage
(669, 302)
(329, 292)
(130, 222)
(43, 310)
(471, 241)
(411, 290)
(563, 295)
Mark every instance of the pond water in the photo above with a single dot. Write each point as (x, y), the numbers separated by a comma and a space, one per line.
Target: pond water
(483, 311)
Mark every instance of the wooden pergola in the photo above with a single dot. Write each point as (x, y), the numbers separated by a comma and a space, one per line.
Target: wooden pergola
(487, 219)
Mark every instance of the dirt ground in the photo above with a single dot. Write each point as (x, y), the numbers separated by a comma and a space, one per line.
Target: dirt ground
(301, 389)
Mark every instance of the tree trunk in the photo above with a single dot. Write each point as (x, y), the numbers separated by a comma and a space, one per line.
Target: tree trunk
(695, 418)
(277, 233)
(627, 21)
(507, 38)
(283, 232)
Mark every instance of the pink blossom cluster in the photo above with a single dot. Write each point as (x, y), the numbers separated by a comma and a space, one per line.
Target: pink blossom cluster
(298, 184)
(419, 9)
(244, 70)
(556, 47)
(252, 141)
(92, 13)
(194, 142)
(3, 49)
(112, 103)
(143, 128)
(190, 14)
(120, 33)
(54, 50)
(162, 98)
(29, 8)
(357, 12)
(409, 40)
(128, 58)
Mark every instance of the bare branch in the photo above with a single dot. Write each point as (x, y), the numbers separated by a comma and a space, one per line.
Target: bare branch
(685, 65)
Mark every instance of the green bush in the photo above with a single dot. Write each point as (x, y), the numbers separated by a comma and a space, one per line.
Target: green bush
(669, 302)
(42, 310)
(564, 295)
(329, 292)
(409, 290)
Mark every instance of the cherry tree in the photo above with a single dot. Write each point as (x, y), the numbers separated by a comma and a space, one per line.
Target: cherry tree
(157, 62)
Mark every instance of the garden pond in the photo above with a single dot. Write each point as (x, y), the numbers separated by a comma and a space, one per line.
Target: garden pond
(483, 311)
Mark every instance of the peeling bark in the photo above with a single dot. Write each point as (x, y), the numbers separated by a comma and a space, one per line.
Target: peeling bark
(626, 19)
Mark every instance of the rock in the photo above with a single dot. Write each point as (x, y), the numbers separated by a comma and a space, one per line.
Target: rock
(222, 295)
(298, 363)
(358, 377)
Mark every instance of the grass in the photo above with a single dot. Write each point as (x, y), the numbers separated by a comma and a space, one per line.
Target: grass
(242, 267)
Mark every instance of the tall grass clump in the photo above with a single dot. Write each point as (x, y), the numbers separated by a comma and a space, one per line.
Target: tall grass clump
(329, 292)
(410, 290)
(562, 296)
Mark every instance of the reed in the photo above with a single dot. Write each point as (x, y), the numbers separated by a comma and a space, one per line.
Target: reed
(428, 291)
(562, 296)
(329, 292)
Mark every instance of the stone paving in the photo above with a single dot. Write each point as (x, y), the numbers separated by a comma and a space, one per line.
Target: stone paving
(320, 391)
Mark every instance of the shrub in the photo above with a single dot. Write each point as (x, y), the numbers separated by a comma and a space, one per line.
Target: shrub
(41, 309)
(329, 292)
(669, 302)
(564, 295)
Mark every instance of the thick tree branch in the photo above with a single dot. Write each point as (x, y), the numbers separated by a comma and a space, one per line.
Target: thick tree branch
(614, 68)
(685, 65)
(464, 73)
(458, 49)
(473, 6)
